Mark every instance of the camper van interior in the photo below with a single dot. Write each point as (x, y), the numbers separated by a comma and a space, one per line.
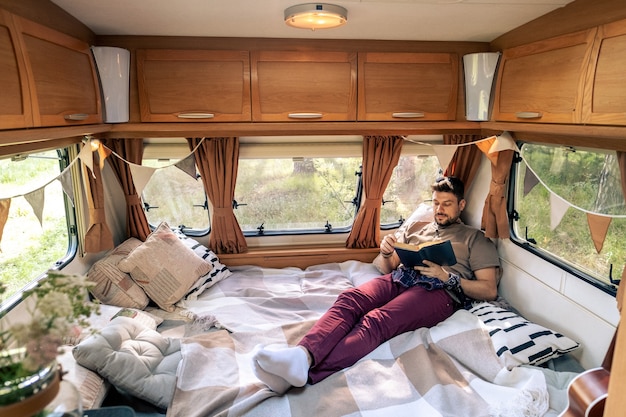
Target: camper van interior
(216, 173)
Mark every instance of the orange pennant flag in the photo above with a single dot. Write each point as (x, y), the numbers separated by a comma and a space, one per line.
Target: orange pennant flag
(485, 146)
(598, 226)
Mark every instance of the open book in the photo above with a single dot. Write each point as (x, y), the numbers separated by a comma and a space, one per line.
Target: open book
(439, 252)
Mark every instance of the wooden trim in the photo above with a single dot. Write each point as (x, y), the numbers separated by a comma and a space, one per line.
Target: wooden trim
(300, 258)
(45, 134)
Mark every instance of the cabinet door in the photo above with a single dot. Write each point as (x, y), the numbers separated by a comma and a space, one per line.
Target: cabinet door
(544, 81)
(408, 86)
(303, 86)
(605, 93)
(194, 85)
(15, 105)
(64, 84)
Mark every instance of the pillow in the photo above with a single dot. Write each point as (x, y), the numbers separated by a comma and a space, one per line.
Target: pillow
(164, 267)
(113, 286)
(518, 341)
(91, 386)
(134, 358)
(218, 272)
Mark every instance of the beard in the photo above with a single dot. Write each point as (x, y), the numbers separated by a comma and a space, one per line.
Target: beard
(446, 220)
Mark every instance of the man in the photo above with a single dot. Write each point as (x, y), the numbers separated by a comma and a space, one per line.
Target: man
(402, 300)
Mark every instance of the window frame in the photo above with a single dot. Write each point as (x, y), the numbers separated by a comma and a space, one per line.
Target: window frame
(547, 256)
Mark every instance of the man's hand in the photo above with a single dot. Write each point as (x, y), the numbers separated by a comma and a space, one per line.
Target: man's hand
(386, 245)
(433, 270)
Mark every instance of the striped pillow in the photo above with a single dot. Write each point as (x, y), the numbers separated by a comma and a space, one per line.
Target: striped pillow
(518, 341)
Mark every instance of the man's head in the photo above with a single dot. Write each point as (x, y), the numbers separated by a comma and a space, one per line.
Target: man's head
(448, 200)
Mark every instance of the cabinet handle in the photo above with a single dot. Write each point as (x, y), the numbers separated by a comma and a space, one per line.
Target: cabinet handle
(305, 115)
(528, 115)
(196, 116)
(408, 115)
(76, 116)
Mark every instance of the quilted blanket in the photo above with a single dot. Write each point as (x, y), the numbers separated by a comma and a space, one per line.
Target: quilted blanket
(448, 370)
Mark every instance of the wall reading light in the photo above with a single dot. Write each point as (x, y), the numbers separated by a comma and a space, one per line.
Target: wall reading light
(316, 16)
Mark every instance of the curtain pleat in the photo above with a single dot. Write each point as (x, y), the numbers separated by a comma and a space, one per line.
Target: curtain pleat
(98, 237)
(380, 156)
(217, 160)
(466, 160)
(132, 151)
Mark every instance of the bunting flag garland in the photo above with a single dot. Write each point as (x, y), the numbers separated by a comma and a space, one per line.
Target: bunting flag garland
(141, 176)
(558, 208)
(66, 183)
(598, 226)
(188, 166)
(4, 215)
(530, 181)
(86, 156)
(444, 153)
(36, 200)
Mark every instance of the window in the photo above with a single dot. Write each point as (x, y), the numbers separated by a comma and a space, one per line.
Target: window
(408, 187)
(577, 182)
(30, 248)
(172, 195)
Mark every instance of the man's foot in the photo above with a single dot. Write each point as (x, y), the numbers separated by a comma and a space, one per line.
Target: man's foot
(290, 364)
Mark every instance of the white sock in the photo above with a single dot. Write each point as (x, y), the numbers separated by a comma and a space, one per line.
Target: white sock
(290, 364)
(274, 382)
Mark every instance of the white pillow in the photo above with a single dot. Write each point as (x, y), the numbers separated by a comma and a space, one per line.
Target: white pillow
(518, 341)
(164, 267)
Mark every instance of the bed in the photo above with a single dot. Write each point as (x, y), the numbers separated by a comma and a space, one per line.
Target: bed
(192, 357)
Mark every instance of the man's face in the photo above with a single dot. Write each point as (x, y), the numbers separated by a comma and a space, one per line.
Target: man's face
(446, 208)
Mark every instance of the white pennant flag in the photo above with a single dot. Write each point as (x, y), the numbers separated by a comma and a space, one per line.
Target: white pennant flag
(503, 142)
(558, 208)
(445, 153)
(36, 201)
(86, 155)
(66, 182)
(141, 176)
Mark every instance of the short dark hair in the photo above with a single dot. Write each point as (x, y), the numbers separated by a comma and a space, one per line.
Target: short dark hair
(450, 185)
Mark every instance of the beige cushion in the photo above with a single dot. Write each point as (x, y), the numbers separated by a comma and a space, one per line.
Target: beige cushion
(164, 267)
(113, 286)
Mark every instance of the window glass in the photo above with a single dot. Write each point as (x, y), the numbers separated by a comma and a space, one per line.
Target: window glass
(408, 187)
(296, 193)
(29, 248)
(552, 180)
(174, 196)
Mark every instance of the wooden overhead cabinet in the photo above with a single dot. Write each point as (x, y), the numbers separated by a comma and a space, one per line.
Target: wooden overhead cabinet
(407, 86)
(543, 82)
(605, 93)
(193, 85)
(15, 106)
(63, 82)
(303, 86)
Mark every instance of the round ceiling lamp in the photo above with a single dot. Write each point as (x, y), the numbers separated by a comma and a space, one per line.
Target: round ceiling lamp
(316, 16)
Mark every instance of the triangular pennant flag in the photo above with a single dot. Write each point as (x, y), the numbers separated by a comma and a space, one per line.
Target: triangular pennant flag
(558, 208)
(66, 182)
(5, 205)
(485, 146)
(445, 153)
(86, 155)
(503, 142)
(188, 166)
(103, 153)
(530, 181)
(36, 201)
(141, 176)
(598, 226)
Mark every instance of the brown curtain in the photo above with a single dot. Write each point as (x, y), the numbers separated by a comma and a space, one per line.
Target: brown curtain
(621, 160)
(466, 160)
(217, 160)
(132, 151)
(98, 236)
(380, 157)
(495, 220)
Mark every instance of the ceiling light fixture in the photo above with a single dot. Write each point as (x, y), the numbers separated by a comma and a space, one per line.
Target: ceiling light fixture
(316, 16)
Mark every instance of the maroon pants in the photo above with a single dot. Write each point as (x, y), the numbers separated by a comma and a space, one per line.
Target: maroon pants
(364, 317)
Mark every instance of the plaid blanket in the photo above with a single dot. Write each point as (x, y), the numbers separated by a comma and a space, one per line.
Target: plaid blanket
(448, 370)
